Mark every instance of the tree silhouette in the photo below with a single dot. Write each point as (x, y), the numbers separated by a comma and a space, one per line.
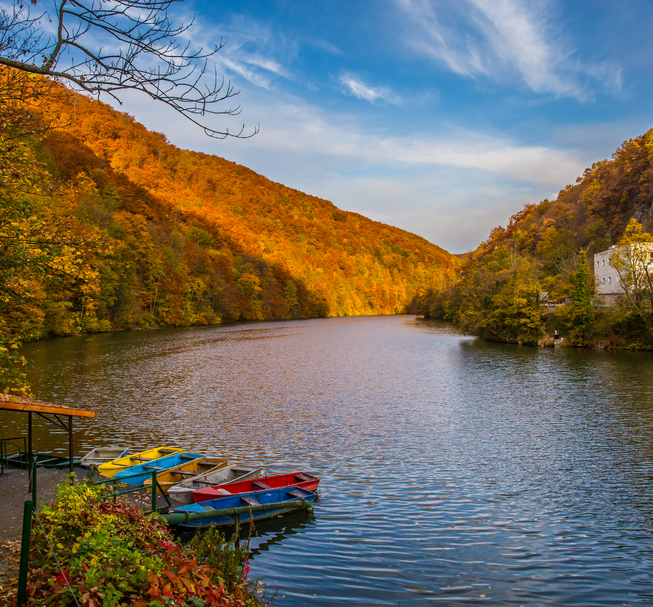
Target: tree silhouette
(112, 46)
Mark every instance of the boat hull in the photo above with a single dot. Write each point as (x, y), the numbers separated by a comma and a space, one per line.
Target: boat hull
(183, 492)
(276, 481)
(263, 497)
(137, 475)
(102, 455)
(43, 460)
(110, 469)
(174, 476)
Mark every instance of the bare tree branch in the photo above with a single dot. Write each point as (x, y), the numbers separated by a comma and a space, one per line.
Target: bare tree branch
(111, 46)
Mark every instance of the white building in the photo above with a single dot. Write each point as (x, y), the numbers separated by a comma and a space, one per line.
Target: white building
(608, 282)
(606, 278)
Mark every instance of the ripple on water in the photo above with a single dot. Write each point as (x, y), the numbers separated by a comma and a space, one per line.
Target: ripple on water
(454, 471)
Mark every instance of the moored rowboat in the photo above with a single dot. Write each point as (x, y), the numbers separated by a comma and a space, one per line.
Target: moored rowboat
(137, 475)
(274, 496)
(264, 483)
(20, 459)
(111, 468)
(183, 492)
(102, 455)
(189, 469)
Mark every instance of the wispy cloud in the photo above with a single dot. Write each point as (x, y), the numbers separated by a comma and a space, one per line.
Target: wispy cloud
(501, 38)
(324, 45)
(353, 85)
(297, 127)
(252, 50)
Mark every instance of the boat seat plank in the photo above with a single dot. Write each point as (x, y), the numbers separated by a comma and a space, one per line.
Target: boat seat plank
(296, 493)
(248, 499)
(153, 468)
(141, 459)
(182, 456)
(183, 472)
(261, 485)
(168, 450)
(302, 477)
(222, 492)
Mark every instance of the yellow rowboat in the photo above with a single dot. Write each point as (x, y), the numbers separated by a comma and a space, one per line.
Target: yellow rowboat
(110, 469)
(189, 470)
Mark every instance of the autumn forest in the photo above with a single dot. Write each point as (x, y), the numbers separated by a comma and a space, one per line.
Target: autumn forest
(106, 226)
(139, 233)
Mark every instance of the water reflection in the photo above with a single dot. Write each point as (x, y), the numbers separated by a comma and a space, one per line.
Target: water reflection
(452, 468)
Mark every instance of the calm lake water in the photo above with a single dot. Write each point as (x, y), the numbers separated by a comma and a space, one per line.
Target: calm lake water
(454, 471)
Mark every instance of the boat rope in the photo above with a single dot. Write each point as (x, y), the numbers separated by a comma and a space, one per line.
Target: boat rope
(65, 577)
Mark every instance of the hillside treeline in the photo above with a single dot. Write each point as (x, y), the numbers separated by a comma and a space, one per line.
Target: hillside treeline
(548, 248)
(107, 226)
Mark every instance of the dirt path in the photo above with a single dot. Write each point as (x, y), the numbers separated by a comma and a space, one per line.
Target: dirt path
(13, 493)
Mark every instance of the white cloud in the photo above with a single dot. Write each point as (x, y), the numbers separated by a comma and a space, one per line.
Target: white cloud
(355, 86)
(298, 128)
(324, 45)
(497, 38)
(251, 50)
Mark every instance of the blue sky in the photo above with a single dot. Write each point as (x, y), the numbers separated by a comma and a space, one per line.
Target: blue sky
(441, 117)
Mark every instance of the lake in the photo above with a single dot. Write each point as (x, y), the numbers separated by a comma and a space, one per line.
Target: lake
(454, 471)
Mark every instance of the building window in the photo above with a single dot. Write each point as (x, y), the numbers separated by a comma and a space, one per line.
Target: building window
(604, 263)
(609, 280)
(604, 281)
(597, 264)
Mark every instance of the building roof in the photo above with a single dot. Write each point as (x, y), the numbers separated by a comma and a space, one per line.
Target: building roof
(29, 405)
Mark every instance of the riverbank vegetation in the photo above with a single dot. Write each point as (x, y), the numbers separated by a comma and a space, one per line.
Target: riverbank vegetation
(545, 255)
(109, 555)
(106, 226)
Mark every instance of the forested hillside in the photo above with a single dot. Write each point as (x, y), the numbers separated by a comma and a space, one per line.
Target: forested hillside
(545, 248)
(107, 226)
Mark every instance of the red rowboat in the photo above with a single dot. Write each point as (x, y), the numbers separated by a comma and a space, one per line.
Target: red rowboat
(265, 483)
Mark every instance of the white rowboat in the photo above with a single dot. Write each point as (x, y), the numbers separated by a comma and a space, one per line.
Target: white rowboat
(183, 492)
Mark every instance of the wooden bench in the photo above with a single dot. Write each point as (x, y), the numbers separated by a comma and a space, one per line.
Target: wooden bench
(248, 499)
(261, 485)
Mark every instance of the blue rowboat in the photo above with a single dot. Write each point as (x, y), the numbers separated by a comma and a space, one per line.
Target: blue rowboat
(253, 499)
(138, 474)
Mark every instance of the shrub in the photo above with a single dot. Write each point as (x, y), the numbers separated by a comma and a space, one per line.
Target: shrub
(113, 555)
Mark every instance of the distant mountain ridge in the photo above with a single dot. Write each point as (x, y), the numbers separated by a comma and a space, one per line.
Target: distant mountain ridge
(174, 237)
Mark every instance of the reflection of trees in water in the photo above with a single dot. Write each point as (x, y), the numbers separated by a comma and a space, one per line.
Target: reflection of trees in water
(280, 527)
